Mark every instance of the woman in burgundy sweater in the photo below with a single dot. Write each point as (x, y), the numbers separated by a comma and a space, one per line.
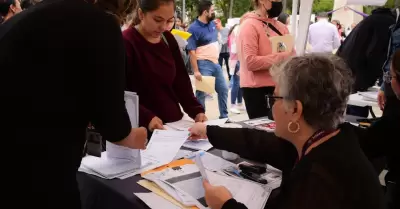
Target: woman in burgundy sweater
(155, 69)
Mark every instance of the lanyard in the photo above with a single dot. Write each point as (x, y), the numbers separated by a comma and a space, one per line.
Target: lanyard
(318, 135)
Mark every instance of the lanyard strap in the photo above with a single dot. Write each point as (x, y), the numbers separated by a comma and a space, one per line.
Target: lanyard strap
(318, 135)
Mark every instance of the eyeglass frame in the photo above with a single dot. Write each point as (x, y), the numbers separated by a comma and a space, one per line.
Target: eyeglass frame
(271, 100)
(387, 78)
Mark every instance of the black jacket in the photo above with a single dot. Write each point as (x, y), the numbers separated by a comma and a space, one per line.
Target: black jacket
(336, 174)
(365, 49)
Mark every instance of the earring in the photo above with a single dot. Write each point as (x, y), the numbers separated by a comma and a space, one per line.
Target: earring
(297, 128)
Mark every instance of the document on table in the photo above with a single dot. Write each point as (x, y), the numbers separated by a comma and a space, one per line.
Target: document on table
(155, 202)
(207, 84)
(132, 107)
(184, 183)
(164, 145)
(251, 194)
(108, 168)
(160, 192)
(122, 153)
(369, 96)
(200, 165)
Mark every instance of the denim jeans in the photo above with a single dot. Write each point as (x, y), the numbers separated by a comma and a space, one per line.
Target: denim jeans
(208, 68)
(224, 57)
(236, 92)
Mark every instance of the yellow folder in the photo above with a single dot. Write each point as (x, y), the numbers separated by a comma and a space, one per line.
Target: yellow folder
(182, 34)
(207, 84)
(157, 190)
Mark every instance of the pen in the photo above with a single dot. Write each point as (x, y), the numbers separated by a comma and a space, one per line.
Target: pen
(192, 155)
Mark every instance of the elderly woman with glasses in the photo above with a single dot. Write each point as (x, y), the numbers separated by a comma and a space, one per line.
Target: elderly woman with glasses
(382, 139)
(322, 163)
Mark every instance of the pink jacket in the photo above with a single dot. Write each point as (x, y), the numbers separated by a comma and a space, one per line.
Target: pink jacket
(255, 51)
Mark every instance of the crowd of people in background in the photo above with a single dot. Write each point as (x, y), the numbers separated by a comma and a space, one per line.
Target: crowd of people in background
(79, 56)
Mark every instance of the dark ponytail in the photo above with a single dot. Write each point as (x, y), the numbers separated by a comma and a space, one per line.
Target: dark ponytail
(118, 8)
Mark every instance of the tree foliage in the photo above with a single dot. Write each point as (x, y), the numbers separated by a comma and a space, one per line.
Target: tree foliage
(242, 6)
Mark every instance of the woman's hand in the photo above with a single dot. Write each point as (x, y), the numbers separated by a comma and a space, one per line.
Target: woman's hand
(137, 139)
(198, 131)
(201, 117)
(216, 196)
(156, 123)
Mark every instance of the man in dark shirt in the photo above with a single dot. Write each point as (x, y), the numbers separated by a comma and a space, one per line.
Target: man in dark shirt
(62, 65)
(365, 51)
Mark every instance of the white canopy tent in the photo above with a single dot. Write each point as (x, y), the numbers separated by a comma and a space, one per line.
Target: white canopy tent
(305, 15)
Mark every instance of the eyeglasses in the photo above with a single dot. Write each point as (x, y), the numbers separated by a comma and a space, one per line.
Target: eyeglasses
(387, 78)
(271, 100)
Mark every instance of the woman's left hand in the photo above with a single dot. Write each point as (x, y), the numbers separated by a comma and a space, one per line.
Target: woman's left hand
(201, 117)
(216, 196)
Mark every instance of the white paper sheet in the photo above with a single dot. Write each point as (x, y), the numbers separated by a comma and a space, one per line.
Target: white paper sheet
(132, 107)
(202, 144)
(164, 145)
(122, 153)
(155, 202)
(253, 195)
(108, 168)
(200, 165)
(182, 153)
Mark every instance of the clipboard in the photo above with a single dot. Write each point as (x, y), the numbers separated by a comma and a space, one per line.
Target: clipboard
(207, 84)
(278, 42)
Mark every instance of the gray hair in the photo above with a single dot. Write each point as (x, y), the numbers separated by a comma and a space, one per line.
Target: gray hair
(322, 83)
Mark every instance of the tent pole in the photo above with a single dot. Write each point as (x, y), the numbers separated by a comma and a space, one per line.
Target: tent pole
(293, 21)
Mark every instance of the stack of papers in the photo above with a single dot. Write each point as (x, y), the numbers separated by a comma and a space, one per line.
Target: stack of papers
(184, 184)
(132, 107)
(121, 163)
(370, 96)
(262, 124)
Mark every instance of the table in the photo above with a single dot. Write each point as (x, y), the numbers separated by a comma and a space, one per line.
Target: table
(98, 193)
(357, 100)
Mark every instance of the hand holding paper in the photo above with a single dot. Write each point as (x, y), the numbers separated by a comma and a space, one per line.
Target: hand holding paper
(216, 196)
(198, 131)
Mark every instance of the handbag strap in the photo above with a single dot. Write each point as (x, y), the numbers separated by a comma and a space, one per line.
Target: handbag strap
(273, 28)
(164, 39)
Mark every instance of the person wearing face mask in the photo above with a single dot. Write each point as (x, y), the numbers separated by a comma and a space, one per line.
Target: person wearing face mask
(256, 55)
(9, 8)
(155, 68)
(204, 52)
